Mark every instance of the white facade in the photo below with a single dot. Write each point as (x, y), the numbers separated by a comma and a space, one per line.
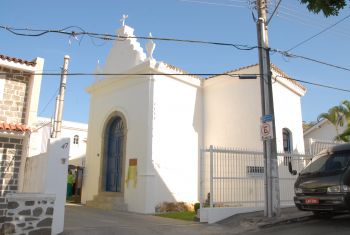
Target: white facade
(233, 110)
(322, 135)
(75, 131)
(323, 131)
(167, 120)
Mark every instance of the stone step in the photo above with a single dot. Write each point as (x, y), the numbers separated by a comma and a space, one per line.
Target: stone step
(107, 198)
(108, 201)
(107, 206)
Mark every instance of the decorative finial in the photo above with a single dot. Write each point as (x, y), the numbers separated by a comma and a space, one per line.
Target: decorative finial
(123, 19)
(97, 71)
(150, 46)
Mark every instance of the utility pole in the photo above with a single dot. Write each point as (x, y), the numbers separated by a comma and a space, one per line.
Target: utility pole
(272, 197)
(60, 99)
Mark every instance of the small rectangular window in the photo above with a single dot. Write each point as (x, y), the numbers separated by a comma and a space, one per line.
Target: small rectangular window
(255, 170)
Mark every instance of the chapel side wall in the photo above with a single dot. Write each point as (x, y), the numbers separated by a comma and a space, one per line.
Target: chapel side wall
(176, 139)
(287, 105)
(131, 98)
(232, 111)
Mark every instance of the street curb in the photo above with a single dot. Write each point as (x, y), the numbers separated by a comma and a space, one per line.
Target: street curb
(284, 221)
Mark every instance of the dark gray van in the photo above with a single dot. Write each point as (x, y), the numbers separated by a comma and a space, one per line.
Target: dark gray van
(323, 186)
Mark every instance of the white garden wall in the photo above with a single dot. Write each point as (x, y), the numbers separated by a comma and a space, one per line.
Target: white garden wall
(47, 174)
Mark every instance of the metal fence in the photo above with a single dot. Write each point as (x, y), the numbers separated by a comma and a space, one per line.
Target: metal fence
(235, 177)
(314, 146)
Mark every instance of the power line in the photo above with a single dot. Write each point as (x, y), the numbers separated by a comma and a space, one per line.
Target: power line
(112, 37)
(234, 75)
(290, 55)
(215, 3)
(131, 74)
(317, 34)
(50, 100)
(273, 13)
(295, 16)
(322, 85)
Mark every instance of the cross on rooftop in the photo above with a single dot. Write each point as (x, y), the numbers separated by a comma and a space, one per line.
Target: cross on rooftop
(123, 19)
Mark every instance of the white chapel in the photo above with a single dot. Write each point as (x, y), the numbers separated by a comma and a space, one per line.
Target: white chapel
(147, 128)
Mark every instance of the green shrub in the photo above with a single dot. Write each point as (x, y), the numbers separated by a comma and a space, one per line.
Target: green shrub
(196, 206)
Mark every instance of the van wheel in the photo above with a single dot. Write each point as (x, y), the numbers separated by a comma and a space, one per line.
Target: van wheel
(322, 214)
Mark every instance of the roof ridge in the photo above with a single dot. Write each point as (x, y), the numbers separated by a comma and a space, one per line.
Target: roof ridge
(234, 70)
(273, 66)
(172, 67)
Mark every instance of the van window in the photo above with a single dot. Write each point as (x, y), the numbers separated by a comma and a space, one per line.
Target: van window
(328, 163)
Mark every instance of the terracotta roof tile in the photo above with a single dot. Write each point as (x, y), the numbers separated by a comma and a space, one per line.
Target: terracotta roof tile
(17, 127)
(17, 60)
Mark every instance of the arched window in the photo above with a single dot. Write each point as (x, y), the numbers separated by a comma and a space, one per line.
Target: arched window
(76, 139)
(287, 144)
(287, 140)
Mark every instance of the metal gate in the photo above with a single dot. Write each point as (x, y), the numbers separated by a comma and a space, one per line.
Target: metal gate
(235, 178)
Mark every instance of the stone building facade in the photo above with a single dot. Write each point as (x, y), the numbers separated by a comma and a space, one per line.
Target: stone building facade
(19, 97)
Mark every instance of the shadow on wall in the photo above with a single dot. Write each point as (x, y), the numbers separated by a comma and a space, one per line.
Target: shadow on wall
(198, 127)
(166, 200)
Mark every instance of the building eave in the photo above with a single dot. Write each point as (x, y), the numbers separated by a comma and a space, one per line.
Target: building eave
(316, 126)
(20, 64)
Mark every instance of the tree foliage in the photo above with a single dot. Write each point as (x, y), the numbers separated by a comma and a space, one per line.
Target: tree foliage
(328, 7)
(334, 116)
(338, 116)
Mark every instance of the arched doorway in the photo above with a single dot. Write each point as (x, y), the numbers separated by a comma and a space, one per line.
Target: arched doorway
(114, 155)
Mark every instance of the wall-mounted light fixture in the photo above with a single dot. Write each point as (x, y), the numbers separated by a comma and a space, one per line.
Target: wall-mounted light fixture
(247, 76)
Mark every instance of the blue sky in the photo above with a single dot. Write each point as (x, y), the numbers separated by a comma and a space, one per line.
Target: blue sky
(227, 21)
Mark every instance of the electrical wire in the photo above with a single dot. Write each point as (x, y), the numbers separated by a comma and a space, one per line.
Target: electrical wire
(295, 16)
(215, 3)
(290, 55)
(322, 85)
(188, 74)
(317, 34)
(273, 13)
(131, 74)
(113, 37)
(50, 100)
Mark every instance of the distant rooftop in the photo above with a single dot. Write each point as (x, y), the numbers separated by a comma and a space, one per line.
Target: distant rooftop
(17, 127)
(17, 60)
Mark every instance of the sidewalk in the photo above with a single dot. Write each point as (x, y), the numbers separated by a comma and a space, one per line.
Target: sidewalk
(83, 220)
(257, 220)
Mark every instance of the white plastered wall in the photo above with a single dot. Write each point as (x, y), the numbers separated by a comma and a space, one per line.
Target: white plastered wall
(130, 97)
(287, 106)
(232, 112)
(177, 132)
